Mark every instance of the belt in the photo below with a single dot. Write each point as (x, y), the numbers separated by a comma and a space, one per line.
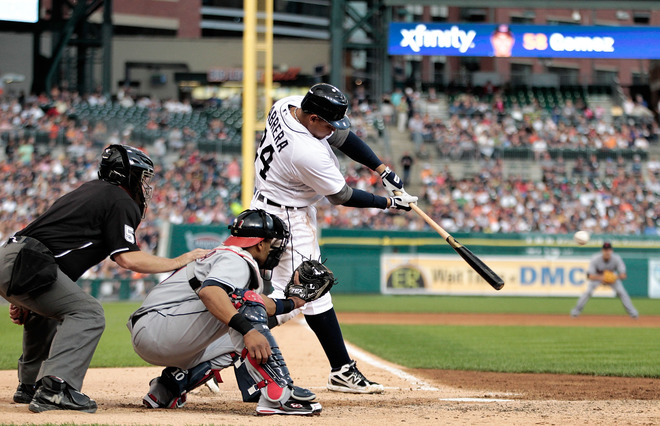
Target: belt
(261, 198)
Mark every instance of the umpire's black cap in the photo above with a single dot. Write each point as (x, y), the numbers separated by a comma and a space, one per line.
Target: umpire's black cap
(329, 103)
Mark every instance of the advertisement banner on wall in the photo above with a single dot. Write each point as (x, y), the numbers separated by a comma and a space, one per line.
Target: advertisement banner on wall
(183, 238)
(450, 275)
(519, 40)
(654, 278)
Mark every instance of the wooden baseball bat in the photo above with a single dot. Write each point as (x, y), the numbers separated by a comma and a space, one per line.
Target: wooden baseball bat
(477, 264)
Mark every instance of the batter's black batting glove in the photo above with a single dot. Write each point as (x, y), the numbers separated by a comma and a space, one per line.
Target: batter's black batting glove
(391, 181)
(402, 201)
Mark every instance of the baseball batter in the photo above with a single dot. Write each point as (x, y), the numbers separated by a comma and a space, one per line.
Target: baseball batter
(295, 168)
(209, 315)
(40, 264)
(606, 268)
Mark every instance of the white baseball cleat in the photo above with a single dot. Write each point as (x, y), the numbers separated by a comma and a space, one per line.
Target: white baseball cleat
(349, 379)
(290, 407)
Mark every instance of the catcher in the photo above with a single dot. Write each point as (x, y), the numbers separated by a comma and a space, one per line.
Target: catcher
(209, 315)
(606, 268)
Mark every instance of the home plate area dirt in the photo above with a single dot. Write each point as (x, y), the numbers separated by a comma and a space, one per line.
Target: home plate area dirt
(414, 397)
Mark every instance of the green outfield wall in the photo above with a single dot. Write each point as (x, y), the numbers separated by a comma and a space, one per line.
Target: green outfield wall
(420, 262)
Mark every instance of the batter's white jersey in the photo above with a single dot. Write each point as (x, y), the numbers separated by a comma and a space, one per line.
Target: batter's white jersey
(292, 167)
(294, 170)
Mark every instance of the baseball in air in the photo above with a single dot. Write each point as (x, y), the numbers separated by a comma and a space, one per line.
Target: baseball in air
(581, 237)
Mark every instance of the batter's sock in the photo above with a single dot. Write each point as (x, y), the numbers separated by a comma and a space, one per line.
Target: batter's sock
(328, 332)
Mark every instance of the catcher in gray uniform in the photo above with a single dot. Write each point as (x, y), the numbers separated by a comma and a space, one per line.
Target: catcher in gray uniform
(606, 268)
(209, 315)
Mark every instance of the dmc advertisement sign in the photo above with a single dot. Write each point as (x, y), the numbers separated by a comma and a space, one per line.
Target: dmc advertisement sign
(450, 275)
(540, 41)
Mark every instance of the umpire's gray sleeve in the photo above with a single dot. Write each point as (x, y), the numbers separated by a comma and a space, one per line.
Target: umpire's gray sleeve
(338, 138)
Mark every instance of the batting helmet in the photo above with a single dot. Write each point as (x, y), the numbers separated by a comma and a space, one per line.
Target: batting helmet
(131, 168)
(329, 103)
(253, 226)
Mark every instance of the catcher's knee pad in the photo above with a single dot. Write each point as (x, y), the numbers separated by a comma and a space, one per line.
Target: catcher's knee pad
(180, 382)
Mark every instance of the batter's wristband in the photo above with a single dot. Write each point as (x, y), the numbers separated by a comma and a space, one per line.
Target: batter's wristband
(241, 324)
(283, 306)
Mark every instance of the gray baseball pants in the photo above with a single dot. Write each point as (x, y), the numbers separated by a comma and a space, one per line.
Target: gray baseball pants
(61, 335)
(618, 288)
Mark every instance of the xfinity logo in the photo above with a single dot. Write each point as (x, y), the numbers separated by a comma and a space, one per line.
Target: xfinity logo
(453, 37)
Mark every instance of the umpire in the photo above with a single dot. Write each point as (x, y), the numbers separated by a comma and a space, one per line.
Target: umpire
(40, 264)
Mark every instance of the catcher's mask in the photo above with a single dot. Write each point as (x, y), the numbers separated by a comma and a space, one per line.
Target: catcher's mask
(253, 226)
(130, 168)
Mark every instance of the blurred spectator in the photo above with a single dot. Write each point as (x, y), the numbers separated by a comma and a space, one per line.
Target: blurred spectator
(406, 166)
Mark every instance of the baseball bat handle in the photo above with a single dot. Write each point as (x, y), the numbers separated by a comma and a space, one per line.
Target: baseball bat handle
(475, 263)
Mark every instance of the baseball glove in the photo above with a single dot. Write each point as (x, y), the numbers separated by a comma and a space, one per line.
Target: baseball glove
(609, 277)
(315, 281)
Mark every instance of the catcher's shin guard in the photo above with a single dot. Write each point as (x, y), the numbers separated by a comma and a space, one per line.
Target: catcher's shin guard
(180, 382)
(271, 378)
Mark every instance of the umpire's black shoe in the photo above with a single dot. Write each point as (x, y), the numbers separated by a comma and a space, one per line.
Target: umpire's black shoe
(24, 393)
(56, 394)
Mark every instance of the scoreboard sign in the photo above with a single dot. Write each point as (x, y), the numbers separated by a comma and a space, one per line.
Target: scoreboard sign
(539, 41)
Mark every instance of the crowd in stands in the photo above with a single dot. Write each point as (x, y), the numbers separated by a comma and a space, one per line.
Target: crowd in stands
(613, 195)
(617, 198)
(486, 127)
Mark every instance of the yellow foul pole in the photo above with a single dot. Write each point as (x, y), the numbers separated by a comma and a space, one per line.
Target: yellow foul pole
(249, 98)
(257, 38)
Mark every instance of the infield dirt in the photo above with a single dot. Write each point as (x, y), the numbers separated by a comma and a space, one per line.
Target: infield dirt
(416, 397)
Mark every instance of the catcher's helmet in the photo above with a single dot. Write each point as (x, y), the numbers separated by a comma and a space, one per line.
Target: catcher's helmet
(131, 168)
(253, 226)
(329, 103)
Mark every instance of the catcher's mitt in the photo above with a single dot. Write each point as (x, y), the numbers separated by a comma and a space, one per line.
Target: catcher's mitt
(315, 281)
(610, 277)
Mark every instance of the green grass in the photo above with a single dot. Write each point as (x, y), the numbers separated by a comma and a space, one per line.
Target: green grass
(114, 349)
(499, 305)
(624, 351)
(569, 350)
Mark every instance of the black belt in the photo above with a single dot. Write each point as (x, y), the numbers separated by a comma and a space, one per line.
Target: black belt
(261, 198)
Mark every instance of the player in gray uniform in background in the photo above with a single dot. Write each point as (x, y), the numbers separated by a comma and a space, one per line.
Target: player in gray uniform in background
(604, 261)
(209, 315)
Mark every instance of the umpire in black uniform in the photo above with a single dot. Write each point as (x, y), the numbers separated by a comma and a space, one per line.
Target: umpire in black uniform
(40, 264)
